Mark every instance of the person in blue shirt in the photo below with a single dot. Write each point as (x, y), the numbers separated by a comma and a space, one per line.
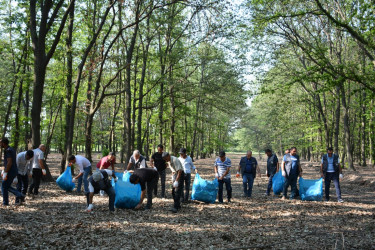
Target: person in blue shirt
(222, 173)
(291, 169)
(248, 168)
(331, 170)
(9, 173)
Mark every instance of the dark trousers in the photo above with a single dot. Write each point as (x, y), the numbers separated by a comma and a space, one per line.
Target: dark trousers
(37, 176)
(23, 183)
(6, 188)
(327, 182)
(247, 182)
(291, 181)
(269, 184)
(228, 187)
(177, 192)
(186, 189)
(162, 175)
(112, 195)
(150, 188)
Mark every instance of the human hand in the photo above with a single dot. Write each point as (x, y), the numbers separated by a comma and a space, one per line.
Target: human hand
(74, 179)
(341, 176)
(238, 175)
(115, 179)
(4, 175)
(217, 175)
(44, 171)
(196, 171)
(90, 208)
(139, 206)
(284, 173)
(175, 184)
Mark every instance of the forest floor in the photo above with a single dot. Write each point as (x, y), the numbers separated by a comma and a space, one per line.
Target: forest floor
(57, 220)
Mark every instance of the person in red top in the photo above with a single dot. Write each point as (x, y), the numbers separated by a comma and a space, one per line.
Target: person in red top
(106, 161)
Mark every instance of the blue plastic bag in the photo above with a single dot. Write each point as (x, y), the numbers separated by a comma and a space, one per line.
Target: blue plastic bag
(128, 195)
(311, 190)
(278, 183)
(65, 180)
(204, 190)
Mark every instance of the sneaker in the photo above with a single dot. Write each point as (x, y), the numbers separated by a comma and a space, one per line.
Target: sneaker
(340, 200)
(266, 194)
(173, 210)
(283, 198)
(229, 201)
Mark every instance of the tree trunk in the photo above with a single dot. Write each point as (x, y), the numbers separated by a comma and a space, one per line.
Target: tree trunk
(349, 150)
(337, 121)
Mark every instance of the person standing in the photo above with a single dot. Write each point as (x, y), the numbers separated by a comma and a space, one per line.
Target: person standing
(24, 168)
(272, 168)
(145, 177)
(331, 170)
(187, 164)
(9, 173)
(160, 164)
(222, 173)
(136, 161)
(38, 169)
(107, 161)
(248, 169)
(291, 169)
(99, 180)
(84, 166)
(177, 180)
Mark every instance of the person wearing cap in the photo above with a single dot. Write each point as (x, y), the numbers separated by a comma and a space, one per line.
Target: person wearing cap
(248, 168)
(107, 161)
(24, 171)
(160, 164)
(9, 173)
(84, 166)
(145, 177)
(222, 173)
(272, 168)
(38, 169)
(331, 170)
(187, 164)
(177, 180)
(100, 181)
(136, 161)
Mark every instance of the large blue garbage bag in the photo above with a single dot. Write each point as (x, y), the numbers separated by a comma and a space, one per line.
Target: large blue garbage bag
(204, 190)
(311, 190)
(128, 195)
(278, 183)
(65, 180)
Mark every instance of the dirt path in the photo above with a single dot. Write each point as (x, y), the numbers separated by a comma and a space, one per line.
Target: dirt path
(58, 220)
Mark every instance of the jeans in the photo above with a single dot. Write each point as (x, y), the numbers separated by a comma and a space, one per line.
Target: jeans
(247, 182)
(291, 181)
(228, 187)
(162, 175)
(112, 195)
(23, 183)
(336, 180)
(86, 172)
(187, 181)
(177, 192)
(150, 188)
(37, 176)
(269, 184)
(6, 187)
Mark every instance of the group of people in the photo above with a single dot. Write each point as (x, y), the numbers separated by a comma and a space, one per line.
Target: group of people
(30, 163)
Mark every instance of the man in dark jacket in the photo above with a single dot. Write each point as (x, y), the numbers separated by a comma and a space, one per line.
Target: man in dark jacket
(291, 169)
(331, 170)
(248, 169)
(145, 176)
(161, 165)
(100, 181)
(272, 168)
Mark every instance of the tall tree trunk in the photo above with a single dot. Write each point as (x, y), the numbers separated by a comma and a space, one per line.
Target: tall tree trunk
(337, 121)
(349, 150)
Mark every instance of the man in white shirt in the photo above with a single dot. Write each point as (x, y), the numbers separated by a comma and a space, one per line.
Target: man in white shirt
(24, 167)
(177, 179)
(84, 166)
(38, 169)
(187, 164)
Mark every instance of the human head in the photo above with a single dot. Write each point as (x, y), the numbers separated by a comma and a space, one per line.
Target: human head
(166, 156)
(183, 152)
(134, 179)
(287, 151)
(42, 147)
(293, 150)
(268, 152)
(249, 154)
(97, 176)
(329, 151)
(222, 155)
(136, 154)
(29, 154)
(4, 142)
(72, 159)
(111, 156)
(160, 148)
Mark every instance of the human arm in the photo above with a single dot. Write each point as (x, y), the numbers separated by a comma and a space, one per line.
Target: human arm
(129, 167)
(277, 166)
(226, 172)
(143, 195)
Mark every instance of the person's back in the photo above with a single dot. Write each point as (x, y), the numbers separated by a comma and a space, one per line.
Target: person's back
(11, 153)
(38, 155)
